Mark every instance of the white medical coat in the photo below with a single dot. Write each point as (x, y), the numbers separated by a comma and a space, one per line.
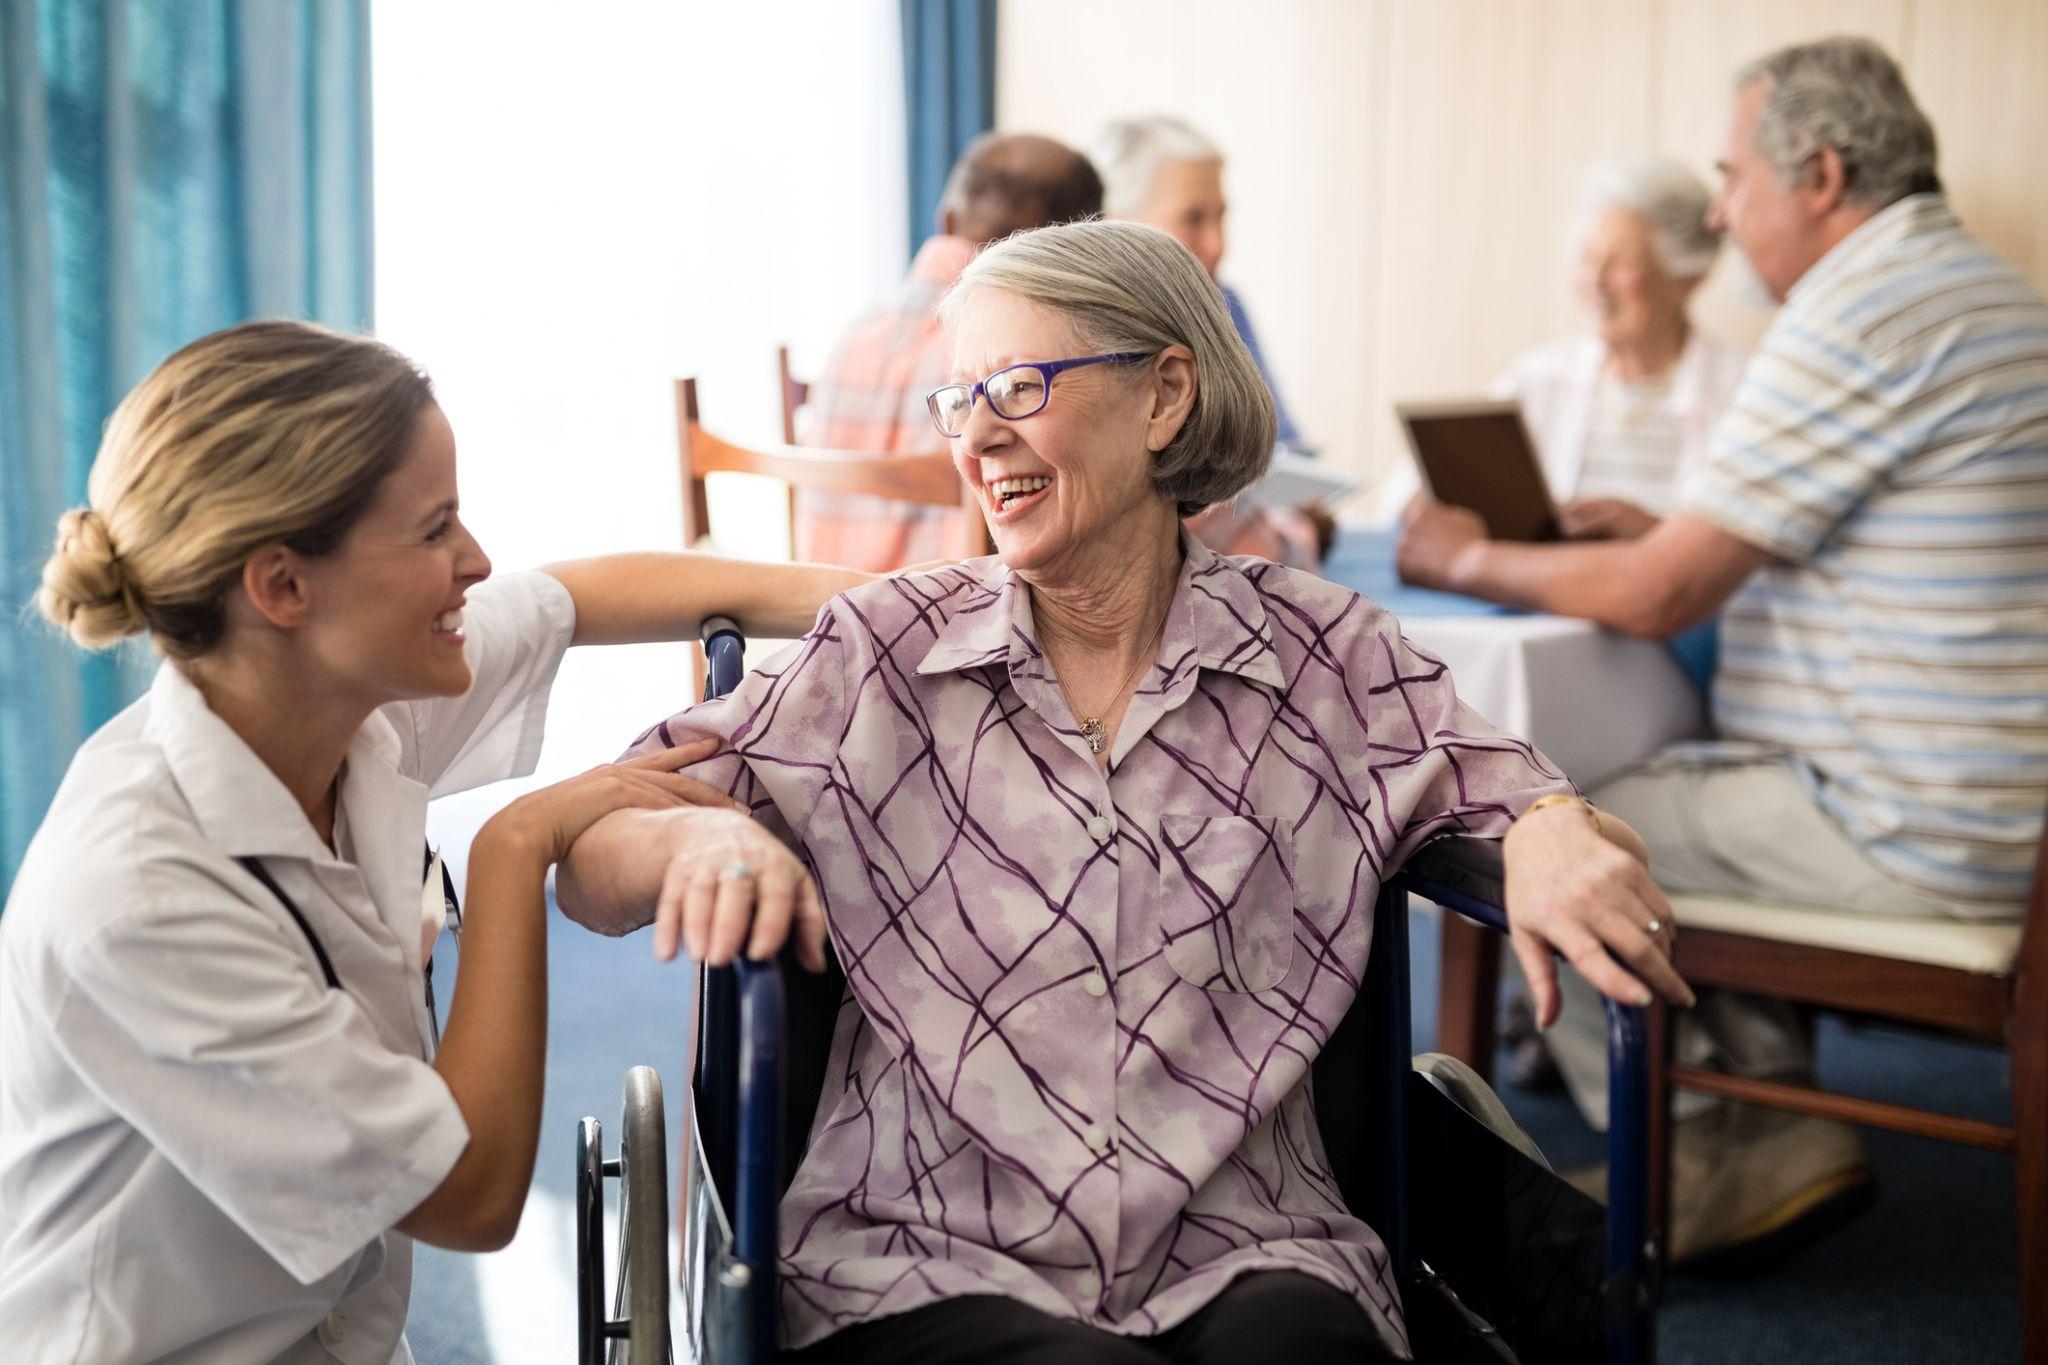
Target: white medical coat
(203, 1148)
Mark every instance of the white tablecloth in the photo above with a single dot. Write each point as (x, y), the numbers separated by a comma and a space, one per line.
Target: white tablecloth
(1594, 701)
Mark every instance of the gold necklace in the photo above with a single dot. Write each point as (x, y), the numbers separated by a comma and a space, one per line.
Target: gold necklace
(1091, 726)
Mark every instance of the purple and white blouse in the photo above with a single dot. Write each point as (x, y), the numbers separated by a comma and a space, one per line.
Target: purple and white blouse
(1072, 1067)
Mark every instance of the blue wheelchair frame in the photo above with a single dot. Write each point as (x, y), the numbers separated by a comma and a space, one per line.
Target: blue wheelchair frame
(735, 1124)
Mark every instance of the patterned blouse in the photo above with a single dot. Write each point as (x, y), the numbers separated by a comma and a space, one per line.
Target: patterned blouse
(1072, 1065)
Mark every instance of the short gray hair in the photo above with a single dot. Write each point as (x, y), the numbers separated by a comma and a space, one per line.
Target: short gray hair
(1130, 152)
(1846, 93)
(1668, 197)
(1129, 287)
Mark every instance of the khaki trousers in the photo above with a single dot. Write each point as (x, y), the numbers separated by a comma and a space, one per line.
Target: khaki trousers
(1728, 820)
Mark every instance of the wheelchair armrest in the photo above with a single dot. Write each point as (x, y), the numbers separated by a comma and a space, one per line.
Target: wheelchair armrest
(1461, 874)
(1465, 874)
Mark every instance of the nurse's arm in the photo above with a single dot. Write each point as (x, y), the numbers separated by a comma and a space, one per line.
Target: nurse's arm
(634, 598)
(494, 1052)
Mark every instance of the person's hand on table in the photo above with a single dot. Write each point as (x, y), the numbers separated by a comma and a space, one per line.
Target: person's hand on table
(1433, 537)
(1325, 525)
(1604, 519)
(1574, 893)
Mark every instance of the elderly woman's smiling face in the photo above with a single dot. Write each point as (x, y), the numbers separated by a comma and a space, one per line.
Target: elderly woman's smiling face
(1071, 481)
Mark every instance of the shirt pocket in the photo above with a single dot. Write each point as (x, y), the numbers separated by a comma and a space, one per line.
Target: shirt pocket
(1226, 900)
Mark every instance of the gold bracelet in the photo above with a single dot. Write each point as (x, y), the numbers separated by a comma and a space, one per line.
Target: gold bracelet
(1560, 799)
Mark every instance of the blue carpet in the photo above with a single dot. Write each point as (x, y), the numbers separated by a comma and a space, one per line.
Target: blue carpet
(1929, 1275)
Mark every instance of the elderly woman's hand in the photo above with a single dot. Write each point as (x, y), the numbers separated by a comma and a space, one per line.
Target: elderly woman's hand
(1577, 894)
(730, 881)
(1433, 537)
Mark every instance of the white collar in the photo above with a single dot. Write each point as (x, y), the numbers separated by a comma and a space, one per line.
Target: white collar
(240, 805)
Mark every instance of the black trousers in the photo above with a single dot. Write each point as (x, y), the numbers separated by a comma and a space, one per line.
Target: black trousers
(1274, 1315)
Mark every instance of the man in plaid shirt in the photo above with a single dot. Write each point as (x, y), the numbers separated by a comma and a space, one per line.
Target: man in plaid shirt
(871, 396)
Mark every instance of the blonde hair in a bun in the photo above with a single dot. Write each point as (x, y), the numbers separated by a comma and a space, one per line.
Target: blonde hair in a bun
(266, 433)
(84, 589)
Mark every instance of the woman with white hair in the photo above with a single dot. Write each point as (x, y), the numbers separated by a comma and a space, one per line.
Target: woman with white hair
(1621, 414)
(1095, 826)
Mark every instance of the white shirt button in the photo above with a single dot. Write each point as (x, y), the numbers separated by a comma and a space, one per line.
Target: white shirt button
(1095, 985)
(1096, 1136)
(335, 1329)
(1099, 829)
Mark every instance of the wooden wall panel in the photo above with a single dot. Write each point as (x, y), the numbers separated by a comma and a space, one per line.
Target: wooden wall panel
(1496, 108)
(1293, 95)
(1980, 69)
(1704, 43)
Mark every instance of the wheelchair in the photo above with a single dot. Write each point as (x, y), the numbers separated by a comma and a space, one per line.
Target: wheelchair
(1500, 1260)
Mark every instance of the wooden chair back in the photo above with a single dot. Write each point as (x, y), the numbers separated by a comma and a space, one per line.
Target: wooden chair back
(795, 393)
(929, 480)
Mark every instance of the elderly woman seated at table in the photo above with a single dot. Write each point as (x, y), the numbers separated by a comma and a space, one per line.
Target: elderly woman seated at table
(1621, 412)
(1095, 826)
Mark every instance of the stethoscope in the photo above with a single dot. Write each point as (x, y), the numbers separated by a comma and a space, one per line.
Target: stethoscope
(451, 919)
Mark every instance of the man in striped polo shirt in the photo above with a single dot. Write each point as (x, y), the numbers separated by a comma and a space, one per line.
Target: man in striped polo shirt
(1872, 524)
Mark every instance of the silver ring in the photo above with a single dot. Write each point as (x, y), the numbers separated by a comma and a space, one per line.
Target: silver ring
(738, 870)
(1653, 926)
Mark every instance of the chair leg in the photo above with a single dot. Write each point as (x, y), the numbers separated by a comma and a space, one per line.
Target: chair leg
(2029, 1062)
(1468, 985)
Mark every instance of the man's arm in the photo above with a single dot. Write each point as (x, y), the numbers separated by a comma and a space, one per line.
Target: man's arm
(1664, 582)
(631, 598)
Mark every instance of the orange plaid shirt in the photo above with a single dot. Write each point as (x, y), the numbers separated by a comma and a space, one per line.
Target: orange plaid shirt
(872, 398)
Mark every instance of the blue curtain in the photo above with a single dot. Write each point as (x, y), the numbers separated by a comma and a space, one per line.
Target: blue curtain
(166, 169)
(949, 94)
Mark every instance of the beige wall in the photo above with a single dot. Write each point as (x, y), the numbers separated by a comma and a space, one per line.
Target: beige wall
(1403, 173)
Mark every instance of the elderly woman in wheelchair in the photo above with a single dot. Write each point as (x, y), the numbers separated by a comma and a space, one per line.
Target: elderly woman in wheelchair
(1095, 828)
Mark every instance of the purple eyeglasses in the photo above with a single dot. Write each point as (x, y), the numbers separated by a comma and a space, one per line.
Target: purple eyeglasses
(1014, 392)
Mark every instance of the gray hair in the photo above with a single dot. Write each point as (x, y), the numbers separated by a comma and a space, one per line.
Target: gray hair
(1668, 197)
(1129, 287)
(1848, 94)
(1130, 152)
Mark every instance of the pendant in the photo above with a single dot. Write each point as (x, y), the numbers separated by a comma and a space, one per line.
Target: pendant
(1092, 731)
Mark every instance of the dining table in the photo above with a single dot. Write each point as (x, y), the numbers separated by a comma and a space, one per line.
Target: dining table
(1594, 701)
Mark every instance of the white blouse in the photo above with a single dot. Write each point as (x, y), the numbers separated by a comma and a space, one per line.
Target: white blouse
(204, 1149)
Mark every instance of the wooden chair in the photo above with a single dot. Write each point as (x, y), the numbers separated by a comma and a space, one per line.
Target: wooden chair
(1984, 982)
(927, 479)
(795, 393)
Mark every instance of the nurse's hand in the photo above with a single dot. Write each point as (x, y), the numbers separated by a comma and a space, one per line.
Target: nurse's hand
(1586, 896)
(545, 823)
(729, 882)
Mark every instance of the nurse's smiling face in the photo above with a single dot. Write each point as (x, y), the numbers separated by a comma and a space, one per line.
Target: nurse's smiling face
(385, 617)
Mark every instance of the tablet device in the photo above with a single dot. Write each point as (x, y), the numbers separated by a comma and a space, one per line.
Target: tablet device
(1478, 455)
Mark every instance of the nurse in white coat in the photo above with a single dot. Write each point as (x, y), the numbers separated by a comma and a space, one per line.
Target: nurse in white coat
(222, 1120)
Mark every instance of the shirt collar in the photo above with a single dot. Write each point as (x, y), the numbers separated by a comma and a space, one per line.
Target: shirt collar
(1217, 621)
(1911, 216)
(239, 804)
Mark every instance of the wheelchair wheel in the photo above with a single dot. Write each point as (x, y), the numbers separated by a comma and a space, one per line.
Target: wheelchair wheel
(638, 1328)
